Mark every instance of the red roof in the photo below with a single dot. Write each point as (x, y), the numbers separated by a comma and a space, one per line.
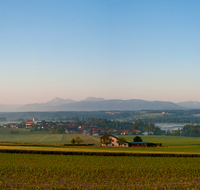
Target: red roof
(126, 131)
(137, 131)
(112, 129)
(29, 122)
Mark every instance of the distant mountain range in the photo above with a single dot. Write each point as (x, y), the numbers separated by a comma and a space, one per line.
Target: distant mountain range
(9, 107)
(190, 104)
(98, 104)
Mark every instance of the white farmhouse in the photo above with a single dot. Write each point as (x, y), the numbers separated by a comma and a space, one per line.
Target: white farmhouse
(148, 133)
(113, 141)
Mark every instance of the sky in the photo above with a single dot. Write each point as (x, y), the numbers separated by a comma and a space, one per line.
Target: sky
(115, 49)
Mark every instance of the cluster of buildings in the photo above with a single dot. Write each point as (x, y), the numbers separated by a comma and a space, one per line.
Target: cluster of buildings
(11, 125)
(73, 127)
(96, 132)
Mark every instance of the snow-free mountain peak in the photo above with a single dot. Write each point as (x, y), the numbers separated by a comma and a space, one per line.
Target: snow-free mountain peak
(96, 104)
(93, 99)
(59, 101)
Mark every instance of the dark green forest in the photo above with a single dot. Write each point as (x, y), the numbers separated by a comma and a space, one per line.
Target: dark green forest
(170, 116)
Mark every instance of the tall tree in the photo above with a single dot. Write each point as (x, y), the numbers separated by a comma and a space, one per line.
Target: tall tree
(43, 123)
(78, 140)
(121, 141)
(90, 131)
(73, 141)
(106, 140)
(35, 128)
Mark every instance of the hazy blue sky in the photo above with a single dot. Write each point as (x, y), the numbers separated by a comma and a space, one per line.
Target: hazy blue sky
(124, 49)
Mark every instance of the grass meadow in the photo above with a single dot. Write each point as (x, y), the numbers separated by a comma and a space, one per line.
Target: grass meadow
(30, 137)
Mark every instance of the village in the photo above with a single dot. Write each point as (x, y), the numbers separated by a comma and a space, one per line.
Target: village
(94, 128)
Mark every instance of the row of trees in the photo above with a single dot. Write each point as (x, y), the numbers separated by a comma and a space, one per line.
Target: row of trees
(3, 119)
(144, 126)
(188, 131)
(174, 119)
(191, 130)
(137, 125)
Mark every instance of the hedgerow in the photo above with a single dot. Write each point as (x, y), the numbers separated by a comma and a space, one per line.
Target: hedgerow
(97, 153)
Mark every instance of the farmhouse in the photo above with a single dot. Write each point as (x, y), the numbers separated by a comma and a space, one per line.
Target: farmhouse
(113, 141)
(148, 133)
(13, 125)
(137, 132)
(126, 132)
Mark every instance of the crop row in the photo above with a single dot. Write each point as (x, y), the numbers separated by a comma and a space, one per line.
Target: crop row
(29, 171)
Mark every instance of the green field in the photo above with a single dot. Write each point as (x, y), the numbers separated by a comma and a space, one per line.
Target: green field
(43, 137)
(40, 137)
(26, 171)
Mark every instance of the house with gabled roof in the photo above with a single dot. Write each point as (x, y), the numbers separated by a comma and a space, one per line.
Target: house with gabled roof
(13, 125)
(112, 130)
(114, 140)
(137, 132)
(148, 133)
(126, 132)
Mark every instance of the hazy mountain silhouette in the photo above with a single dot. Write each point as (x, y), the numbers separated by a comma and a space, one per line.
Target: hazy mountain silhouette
(48, 106)
(93, 99)
(59, 101)
(117, 105)
(94, 104)
(2, 108)
(190, 104)
(9, 107)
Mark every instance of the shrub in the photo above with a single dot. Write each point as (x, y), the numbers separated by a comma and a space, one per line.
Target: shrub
(78, 144)
(14, 132)
(137, 139)
(73, 141)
